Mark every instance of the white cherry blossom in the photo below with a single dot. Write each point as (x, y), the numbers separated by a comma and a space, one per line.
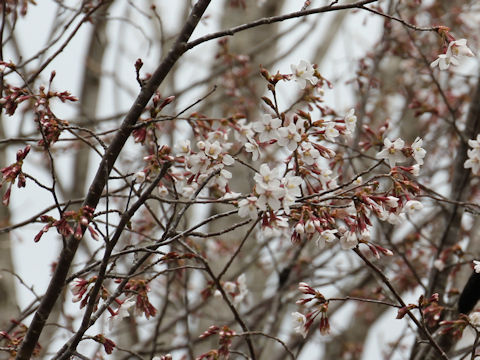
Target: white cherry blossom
(392, 201)
(289, 137)
(183, 147)
(475, 144)
(300, 228)
(418, 151)
(227, 159)
(444, 61)
(459, 48)
(269, 195)
(292, 183)
(473, 161)
(140, 177)
(252, 147)
(248, 207)
(267, 176)
(331, 131)
(309, 227)
(439, 264)
(299, 321)
(242, 289)
(348, 240)
(326, 178)
(396, 219)
(122, 313)
(392, 151)
(476, 266)
(287, 201)
(267, 127)
(221, 179)
(474, 318)
(415, 170)
(221, 137)
(308, 153)
(304, 72)
(326, 236)
(212, 150)
(350, 121)
(455, 51)
(413, 205)
(244, 130)
(162, 190)
(198, 163)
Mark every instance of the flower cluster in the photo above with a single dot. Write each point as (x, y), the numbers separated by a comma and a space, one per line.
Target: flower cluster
(396, 152)
(473, 161)
(140, 289)
(82, 217)
(225, 335)
(455, 51)
(11, 173)
(210, 160)
(12, 340)
(271, 192)
(108, 345)
(302, 323)
(81, 289)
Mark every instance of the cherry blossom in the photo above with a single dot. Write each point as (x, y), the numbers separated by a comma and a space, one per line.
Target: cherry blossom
(140, 177)
(476, 266)
(326, 236)
(473, 161)
(183, 147)
(221, 179)
(289, 137)
(456, 50)
(122, 312)
(459, 48)
(248, 207)
(439, 264)
(308, 153)
(212, 150)
(418, 151)
(299, 321)
(475, 144)
(444, 61)
(252, 147)
(269, 195)
(291, 184)
(331, 131)
(412, 206)
(310, 227)
(266, 176)
(244, 130)
(326, 179)
(474, 318)
(267, 127)
(350, 121)
(391, 201)
(304, 72)
(237, 290)
(392, 151)
(198, 163)
(348, 240)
